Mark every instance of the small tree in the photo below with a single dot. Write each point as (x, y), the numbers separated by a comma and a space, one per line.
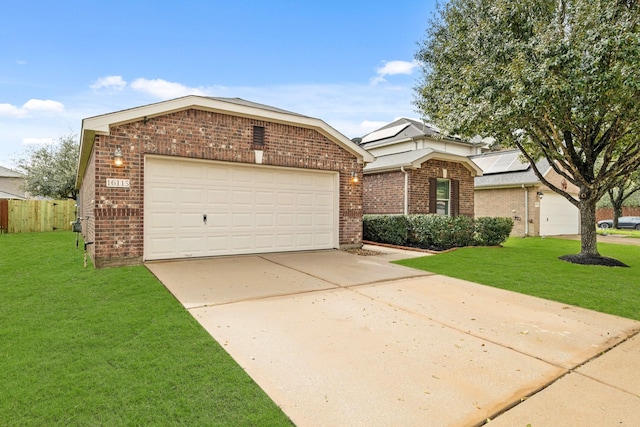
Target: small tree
(627, 187)
(555, 78)
(50, 171)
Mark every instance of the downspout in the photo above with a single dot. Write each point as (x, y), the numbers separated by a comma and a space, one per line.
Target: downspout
(526, 210)
(406, 190)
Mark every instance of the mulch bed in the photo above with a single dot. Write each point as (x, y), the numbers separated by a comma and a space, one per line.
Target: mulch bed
(593, 260)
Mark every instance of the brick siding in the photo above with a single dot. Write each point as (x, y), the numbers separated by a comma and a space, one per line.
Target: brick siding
(384, 192)
(197, 134)
(510, 203)
(607, 213)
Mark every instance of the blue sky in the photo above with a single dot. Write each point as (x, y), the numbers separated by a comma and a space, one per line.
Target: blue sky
(349, 63)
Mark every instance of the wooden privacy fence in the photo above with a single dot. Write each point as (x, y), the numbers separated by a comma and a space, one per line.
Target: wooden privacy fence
(28, 216)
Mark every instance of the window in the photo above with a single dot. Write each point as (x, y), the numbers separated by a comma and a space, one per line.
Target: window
(443, 194)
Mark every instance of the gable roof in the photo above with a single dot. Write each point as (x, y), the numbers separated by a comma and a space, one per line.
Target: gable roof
(507, 169)
(415, 158)
(404, 129)
(100, 125)
(9, 173)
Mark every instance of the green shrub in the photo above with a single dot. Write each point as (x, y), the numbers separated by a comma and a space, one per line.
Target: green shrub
(391, 229)
(492, 231)
(440, 232)
(436, 232)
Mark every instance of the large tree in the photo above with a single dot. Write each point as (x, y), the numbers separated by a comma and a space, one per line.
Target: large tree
(555, 78)
(50, 170)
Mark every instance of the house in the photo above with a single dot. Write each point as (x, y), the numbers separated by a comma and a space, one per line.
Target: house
(200, 176)
(508, 187)
(418, 170)
(11, 184)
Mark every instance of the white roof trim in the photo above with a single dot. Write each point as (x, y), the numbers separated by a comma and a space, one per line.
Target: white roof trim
(418, 161)
(100, 125)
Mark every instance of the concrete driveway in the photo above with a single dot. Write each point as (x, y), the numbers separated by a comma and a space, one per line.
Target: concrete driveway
(342, 339)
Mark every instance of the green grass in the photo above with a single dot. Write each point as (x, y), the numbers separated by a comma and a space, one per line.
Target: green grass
(620, 232)
(531, 266)
(89, 347)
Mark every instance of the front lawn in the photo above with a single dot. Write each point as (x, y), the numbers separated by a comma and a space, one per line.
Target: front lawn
(83, 347)
(531, 266)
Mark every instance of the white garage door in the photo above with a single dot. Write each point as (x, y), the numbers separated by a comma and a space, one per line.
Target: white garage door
(558, 216)
(203, 208)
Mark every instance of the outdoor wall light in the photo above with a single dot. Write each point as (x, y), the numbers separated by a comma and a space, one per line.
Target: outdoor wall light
(117, 158)
(540, 194)
(354, 177)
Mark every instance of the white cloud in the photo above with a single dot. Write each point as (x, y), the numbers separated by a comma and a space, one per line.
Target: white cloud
(45, 105)
(109, 82)
(38, 141)
(163, 89)
(32, 105)
(11, 111)
(369, 126)
(391, 68)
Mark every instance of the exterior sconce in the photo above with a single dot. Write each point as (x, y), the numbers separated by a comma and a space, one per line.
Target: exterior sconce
(117, 158)
(540, 194)
(354, 177)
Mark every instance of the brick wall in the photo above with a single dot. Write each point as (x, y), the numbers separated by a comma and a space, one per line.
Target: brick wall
(607, 213)
(384, 192)
(419, 185)
(510, 202)
(199, 134)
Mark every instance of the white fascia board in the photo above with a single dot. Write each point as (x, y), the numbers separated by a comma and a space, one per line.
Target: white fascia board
(465, 161)
(416, 164)
(101, 124)
(504, 186)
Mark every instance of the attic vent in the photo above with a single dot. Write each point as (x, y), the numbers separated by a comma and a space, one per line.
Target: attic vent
(258, 136)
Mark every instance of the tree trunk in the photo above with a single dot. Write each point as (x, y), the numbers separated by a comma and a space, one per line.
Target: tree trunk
(617, 212)
(588, 238)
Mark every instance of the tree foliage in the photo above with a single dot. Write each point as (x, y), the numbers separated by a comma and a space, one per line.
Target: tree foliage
(50, 171)
(555, 78)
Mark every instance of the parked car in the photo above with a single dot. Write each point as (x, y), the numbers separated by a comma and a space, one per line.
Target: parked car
(623, 222)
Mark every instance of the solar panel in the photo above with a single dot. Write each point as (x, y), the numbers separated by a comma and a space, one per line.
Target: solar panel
(384, 133)
(501, 162)
(485, 163)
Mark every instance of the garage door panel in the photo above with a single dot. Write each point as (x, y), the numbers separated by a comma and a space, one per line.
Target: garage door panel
(264, 178)
(243, 221)
(265, 220)
(241, 176)
(191, 196)
(190, 245)
(558, 216)
(191, 173)
(218, 176)
(220, 197)
(243, 198)
(249, 208)
(285, 220)
(220, 220)
(264, 243)
(305, 220)
(265, 199)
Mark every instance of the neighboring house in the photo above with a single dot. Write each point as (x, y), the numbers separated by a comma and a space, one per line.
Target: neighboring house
(11, 184)
(509, 187)
(199, 176)
(418, 170)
